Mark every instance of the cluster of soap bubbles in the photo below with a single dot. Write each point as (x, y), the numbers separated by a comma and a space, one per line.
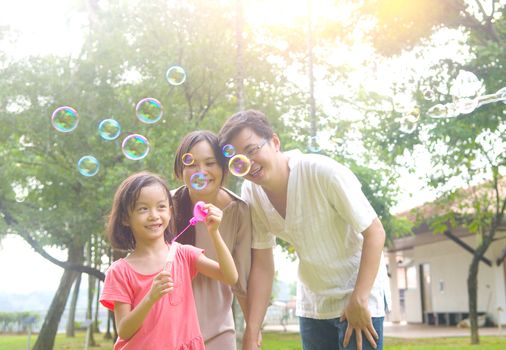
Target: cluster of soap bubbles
(198, 180)
(409, 120)
(238, 165)
(466, 92)
(134, 146)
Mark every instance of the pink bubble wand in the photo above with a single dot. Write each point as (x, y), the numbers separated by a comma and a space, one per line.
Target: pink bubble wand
(199, 215)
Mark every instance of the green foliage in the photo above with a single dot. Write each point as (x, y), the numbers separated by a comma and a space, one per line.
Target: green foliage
(121, 62)
(380, 189)
(462, 148)
(401, 25)
(16, 321)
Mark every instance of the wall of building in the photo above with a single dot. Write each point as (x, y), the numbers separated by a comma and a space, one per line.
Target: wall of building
(449, 265)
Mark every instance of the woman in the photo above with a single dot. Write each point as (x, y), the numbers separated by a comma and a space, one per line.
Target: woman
(199, 151)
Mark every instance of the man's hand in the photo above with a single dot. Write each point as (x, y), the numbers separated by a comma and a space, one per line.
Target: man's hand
(359, 320)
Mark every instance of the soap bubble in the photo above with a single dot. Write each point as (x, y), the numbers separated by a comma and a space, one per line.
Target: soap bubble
(465, 85)
(65, 119)
(187, 159)
(149, 110)
(88, 166)
(408, 123)
(175, 75)
(466, 105)
(198, 181)
(314, 144)
(428, 94)
(438, 111)
(109, 129)
(228, 150)
(135, 147)
(239, 165)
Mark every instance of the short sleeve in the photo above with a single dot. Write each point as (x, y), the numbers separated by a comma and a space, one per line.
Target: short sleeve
(344, 192)
(115, 287)
(242, 248)
(190, 254)
(262, 237)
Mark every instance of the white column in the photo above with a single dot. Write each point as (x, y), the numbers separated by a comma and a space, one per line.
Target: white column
(395, 314)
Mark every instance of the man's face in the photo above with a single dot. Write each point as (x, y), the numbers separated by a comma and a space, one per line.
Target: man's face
(258, 150)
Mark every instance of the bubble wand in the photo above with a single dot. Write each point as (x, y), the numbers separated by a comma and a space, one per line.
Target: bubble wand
(199, 215)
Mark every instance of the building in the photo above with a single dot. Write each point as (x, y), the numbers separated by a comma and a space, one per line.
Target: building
(428, 271)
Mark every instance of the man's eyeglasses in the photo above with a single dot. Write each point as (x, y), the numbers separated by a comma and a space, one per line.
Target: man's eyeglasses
(254, 149)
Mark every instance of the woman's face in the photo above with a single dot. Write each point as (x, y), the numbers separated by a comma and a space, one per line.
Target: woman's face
(204, 161)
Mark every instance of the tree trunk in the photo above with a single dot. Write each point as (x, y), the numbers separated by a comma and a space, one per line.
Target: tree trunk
(110, 314)
(239, 77)
(312, 104)
(45, 340)
(239, 323)
(472, 291)
(472, 280)
(108, 334)
(96, 264)
(91, 294)
(71, 322)
(241, 102)
(96, 327)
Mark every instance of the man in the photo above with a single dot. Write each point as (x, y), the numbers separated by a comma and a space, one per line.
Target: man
(317, 205)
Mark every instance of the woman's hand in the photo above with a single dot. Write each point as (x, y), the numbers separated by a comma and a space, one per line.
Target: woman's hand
(213, 218)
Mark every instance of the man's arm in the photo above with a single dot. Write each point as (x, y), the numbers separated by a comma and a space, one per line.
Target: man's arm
(357, 312)
(259, 294)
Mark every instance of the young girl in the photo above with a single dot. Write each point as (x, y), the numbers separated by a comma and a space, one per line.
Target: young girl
(150, 290)
(205, 156)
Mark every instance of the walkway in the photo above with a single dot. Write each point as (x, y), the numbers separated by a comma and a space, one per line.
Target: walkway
(409, 331)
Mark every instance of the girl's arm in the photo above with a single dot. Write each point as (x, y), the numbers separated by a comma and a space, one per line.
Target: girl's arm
(224, 270)
(129, 321)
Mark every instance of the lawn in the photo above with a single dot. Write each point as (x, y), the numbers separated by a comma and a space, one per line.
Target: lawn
(277, 341)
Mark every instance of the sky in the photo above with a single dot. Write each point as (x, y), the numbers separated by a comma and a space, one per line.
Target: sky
(23, 271)
(45, 27)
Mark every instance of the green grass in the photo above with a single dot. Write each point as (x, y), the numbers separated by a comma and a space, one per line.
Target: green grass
(18, 342)
(452, 343)
(281, 341)
(277, 341)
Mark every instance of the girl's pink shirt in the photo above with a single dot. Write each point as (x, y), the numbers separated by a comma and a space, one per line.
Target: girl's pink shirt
(172, 322)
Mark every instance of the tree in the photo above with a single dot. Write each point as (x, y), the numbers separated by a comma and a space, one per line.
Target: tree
(127, 50)
(126, 53)
(468, 148)
(70, 329)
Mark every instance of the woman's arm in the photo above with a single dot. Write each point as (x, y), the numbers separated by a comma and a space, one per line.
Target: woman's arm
(242, 253)
(224, 270)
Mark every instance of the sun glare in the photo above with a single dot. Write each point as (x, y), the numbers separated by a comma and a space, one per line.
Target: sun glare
(288, 12)
(43, 27)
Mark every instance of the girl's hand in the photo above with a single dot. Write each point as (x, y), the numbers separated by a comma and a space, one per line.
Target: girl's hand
(213, 218)
(162, 284)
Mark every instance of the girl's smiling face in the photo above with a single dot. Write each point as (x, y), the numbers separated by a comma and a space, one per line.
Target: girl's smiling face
(150, 214)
